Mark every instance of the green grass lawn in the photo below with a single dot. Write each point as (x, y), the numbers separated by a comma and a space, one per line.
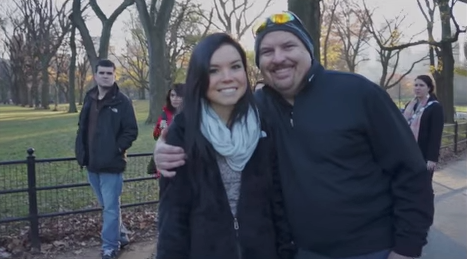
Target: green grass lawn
(461, 108)
(52, 135)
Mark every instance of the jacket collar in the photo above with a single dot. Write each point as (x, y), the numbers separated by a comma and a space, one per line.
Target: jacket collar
(111, 96)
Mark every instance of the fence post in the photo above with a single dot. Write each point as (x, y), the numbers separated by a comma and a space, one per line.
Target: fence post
(456, 134)
(32, 193)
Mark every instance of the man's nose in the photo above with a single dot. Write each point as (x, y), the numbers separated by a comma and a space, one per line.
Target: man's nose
(279, 56)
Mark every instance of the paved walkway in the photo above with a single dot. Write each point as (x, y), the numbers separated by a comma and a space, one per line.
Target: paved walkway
(447, 239)
(448, 235)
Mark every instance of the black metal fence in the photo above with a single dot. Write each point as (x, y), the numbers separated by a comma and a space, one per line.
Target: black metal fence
(33, 191)
(454, 137)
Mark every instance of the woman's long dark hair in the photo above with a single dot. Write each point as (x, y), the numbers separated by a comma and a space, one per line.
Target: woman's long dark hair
(196, 87)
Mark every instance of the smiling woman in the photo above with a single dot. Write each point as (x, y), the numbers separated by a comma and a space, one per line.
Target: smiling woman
(229, 175)
(227, 81)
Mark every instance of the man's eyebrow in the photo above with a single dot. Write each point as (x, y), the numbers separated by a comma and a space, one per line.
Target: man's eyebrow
(289, 42)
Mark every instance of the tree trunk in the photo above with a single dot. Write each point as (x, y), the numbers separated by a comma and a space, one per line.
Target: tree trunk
(15, 91)
(445, 88)
(34, 98)
(142, 93)
(3, 90)
(64, 94)
(81, 93)
(24, 92)
(310, 13)
(155, 28)
(72, 73)
(45, 92)
(56, 96)
(36, 85)
(157, 83)
(107, 23)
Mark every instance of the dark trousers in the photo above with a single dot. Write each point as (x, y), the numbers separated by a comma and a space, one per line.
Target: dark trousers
(302, 254)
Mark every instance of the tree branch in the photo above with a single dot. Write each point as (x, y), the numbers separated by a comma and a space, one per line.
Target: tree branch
(119, 10)
(407, 72)
(98, 11)
(421, 42)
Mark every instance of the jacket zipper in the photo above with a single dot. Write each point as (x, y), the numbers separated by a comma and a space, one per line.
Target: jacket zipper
(235, 220)
(237, 241)
(291, 119)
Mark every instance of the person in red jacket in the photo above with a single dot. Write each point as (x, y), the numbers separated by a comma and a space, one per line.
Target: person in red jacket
(173, 102)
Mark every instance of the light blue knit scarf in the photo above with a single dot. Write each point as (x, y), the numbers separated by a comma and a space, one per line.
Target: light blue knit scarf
(236, 146)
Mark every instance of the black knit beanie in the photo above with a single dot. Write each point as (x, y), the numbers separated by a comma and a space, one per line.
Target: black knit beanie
(295, 27)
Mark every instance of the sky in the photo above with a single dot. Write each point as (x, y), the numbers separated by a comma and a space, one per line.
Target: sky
(384, 8)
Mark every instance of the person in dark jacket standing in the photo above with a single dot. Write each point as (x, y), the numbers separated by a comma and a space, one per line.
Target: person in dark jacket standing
(226, 203)
(354, 181)
(425, 117)
(106, 130)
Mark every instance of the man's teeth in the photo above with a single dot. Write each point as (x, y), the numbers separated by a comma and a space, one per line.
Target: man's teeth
(281, 70)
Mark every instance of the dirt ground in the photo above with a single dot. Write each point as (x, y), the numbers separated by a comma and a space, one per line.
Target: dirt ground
(139, 250)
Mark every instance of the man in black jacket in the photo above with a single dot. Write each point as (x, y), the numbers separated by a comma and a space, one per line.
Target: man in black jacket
(106, 130)
(355, 184)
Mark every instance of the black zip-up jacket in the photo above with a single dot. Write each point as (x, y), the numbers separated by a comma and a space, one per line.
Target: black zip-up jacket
(195, 220)
(431, 130)
(115, 132)
(354, 179)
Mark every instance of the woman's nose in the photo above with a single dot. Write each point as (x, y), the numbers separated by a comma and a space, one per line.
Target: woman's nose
(227, 75)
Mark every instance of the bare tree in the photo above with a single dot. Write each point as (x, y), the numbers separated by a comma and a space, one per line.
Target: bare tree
(59, 70)
(72, 72)
(6, 75)
(107, 22)
(23, 61)
(20, 63)
(187, 26)
(83, 71)
(391, 34)
(441, 52)
(155, 22)
(47, 25)
(232, 15)
(443, 71)
(353, 33)
(135, 61)
(328, 17)
(5, 78)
